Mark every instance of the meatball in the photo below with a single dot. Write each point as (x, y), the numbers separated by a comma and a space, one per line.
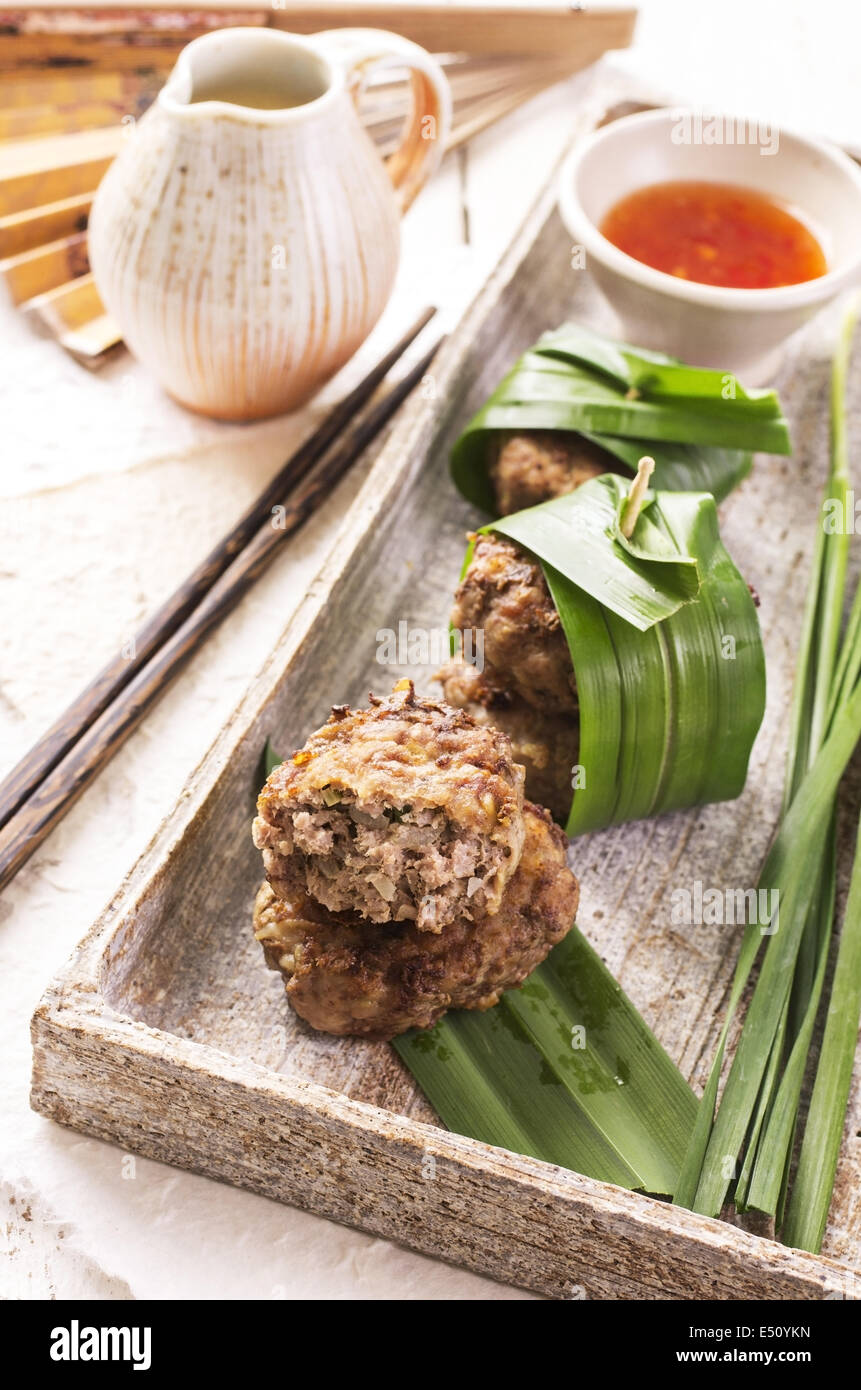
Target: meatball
(406, 811)
(525, 469)
(546, 744)
(346, 975)
(504, 595)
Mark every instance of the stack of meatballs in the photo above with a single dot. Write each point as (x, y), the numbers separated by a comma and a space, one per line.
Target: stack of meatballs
(406, 874)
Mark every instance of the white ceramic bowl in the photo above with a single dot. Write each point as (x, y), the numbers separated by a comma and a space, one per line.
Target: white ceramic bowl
(739, 329)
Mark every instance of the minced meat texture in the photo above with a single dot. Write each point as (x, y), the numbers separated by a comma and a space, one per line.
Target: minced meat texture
(406, 811)
(345, 975)
(546, 744)
(504, 595)
(525, 469)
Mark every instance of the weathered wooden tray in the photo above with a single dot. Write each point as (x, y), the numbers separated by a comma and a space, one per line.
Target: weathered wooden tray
(167, 1034)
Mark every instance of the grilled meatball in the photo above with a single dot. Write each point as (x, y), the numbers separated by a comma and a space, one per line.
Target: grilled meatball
(525, 469)
(546, 744)
(346, 975)
(504, 595)
(406, 811)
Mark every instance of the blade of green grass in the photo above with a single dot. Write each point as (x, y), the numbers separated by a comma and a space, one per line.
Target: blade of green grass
(810, 1198)
(821, 677)
(763, 1110)
(792, 870)
(849, 663)
(773, 1153)
(824, 671)
(836, 550)
(801, 709)
(760, 1102)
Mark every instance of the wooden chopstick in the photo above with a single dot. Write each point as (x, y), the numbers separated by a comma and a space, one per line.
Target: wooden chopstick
(59, 791)
(179, 609)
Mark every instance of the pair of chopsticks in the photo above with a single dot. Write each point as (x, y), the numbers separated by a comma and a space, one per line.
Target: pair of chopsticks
(58, 769)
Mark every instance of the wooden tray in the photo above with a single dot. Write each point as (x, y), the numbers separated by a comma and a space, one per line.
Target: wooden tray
(167, 1034)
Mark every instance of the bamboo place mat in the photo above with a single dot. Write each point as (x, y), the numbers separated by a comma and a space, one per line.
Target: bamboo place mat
(75, 79)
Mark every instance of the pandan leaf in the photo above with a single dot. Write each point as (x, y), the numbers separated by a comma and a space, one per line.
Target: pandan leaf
(699, 425)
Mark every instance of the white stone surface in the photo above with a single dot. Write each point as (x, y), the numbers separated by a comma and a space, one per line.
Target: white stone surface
(108, 492)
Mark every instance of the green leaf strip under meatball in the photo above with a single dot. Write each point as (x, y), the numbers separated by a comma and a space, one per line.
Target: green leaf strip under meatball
(671, 684)
(565, 1070)
(699, 425)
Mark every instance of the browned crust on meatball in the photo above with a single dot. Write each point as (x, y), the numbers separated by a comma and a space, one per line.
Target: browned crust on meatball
(525, 469)
(504, 595)
(348, 976)
(547, 745)
(406, 811)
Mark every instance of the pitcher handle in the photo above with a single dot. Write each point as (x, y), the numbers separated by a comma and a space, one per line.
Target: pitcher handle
(426, 132)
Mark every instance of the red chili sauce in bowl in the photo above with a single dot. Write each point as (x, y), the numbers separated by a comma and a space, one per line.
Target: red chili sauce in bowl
(716, 234)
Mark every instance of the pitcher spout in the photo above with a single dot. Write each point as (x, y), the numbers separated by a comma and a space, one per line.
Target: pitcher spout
(259, 76)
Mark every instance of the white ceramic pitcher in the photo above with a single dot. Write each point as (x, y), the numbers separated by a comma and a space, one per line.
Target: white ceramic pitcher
(247, 236)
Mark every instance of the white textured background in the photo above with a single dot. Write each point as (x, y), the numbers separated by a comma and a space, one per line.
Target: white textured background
(108, 492)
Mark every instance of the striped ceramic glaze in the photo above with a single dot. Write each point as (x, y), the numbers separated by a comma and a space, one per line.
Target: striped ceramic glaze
(247, 250)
